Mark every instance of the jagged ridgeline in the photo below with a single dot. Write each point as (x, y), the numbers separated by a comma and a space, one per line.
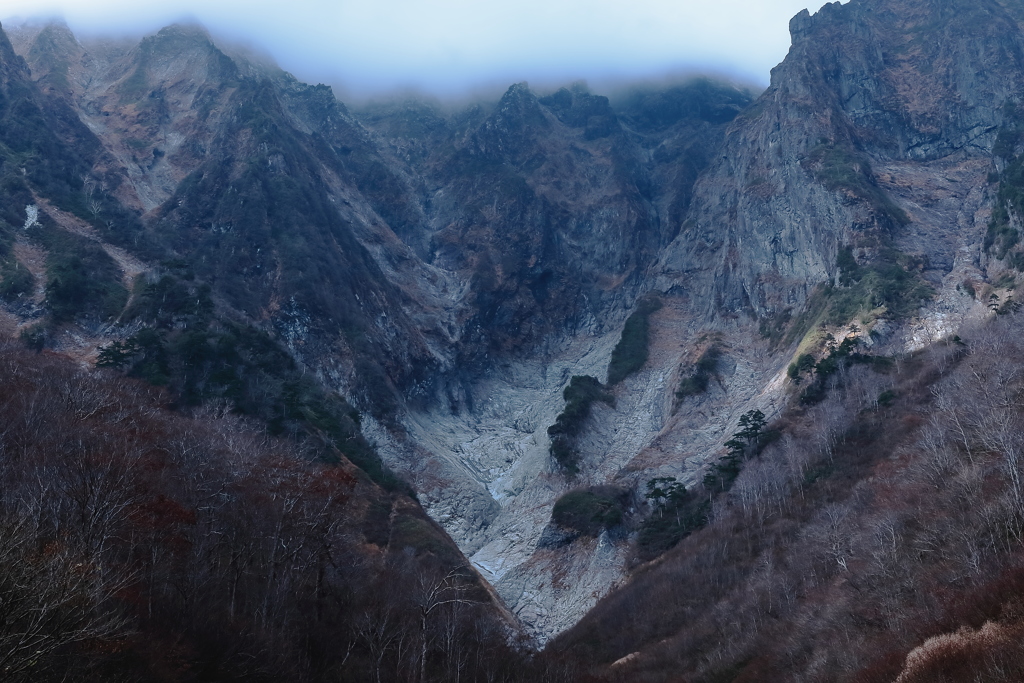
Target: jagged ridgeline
(47, 153)
(309, 525)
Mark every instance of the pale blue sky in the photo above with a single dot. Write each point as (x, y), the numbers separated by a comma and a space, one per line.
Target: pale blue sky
(452, 47)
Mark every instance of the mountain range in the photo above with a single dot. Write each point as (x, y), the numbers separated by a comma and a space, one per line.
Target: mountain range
(685, 383)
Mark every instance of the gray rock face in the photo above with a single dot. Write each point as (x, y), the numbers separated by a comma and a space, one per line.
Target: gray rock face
(865, 82)
(486, 475)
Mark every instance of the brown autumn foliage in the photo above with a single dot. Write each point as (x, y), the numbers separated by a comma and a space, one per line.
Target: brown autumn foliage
(137, 544)
(865, 534)
(871, 542)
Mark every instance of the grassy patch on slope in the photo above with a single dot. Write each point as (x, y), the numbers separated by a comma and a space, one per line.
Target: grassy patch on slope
(581, 393)
(591, 510)
(889, 287)
(843, 169)
(630, 353)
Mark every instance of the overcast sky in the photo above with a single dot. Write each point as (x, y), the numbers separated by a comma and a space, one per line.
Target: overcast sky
(451, 47)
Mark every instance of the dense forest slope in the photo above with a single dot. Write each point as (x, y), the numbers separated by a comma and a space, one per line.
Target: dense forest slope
(878, 537)
(140, 544)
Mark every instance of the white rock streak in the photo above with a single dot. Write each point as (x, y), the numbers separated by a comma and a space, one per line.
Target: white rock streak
(31, 216)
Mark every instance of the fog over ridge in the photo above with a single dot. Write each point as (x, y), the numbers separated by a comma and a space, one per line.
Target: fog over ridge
(458, 48)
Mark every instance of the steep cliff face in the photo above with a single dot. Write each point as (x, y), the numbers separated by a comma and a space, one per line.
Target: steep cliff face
(64, 285)
(492, 230)
(872, 97)
(151, 103)
(871, 151)
(873, 144)
(550, 209)
(269, 187)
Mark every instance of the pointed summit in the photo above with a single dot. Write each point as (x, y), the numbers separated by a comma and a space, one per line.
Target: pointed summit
(515, 122)
(173, 56)
(52, 56)
(12, 67)
(519, 106)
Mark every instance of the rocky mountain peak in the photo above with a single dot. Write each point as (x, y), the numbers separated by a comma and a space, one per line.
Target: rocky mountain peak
(182, 35)
(171, 56)
(174, 42)
(54, 41)
(12, 66)
(920, 77)
(517, 97)
(800, 26)
(577, 108)
(516, 120)
(863, 82)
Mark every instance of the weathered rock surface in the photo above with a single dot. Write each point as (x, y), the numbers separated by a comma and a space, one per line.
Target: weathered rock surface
(865, 83)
